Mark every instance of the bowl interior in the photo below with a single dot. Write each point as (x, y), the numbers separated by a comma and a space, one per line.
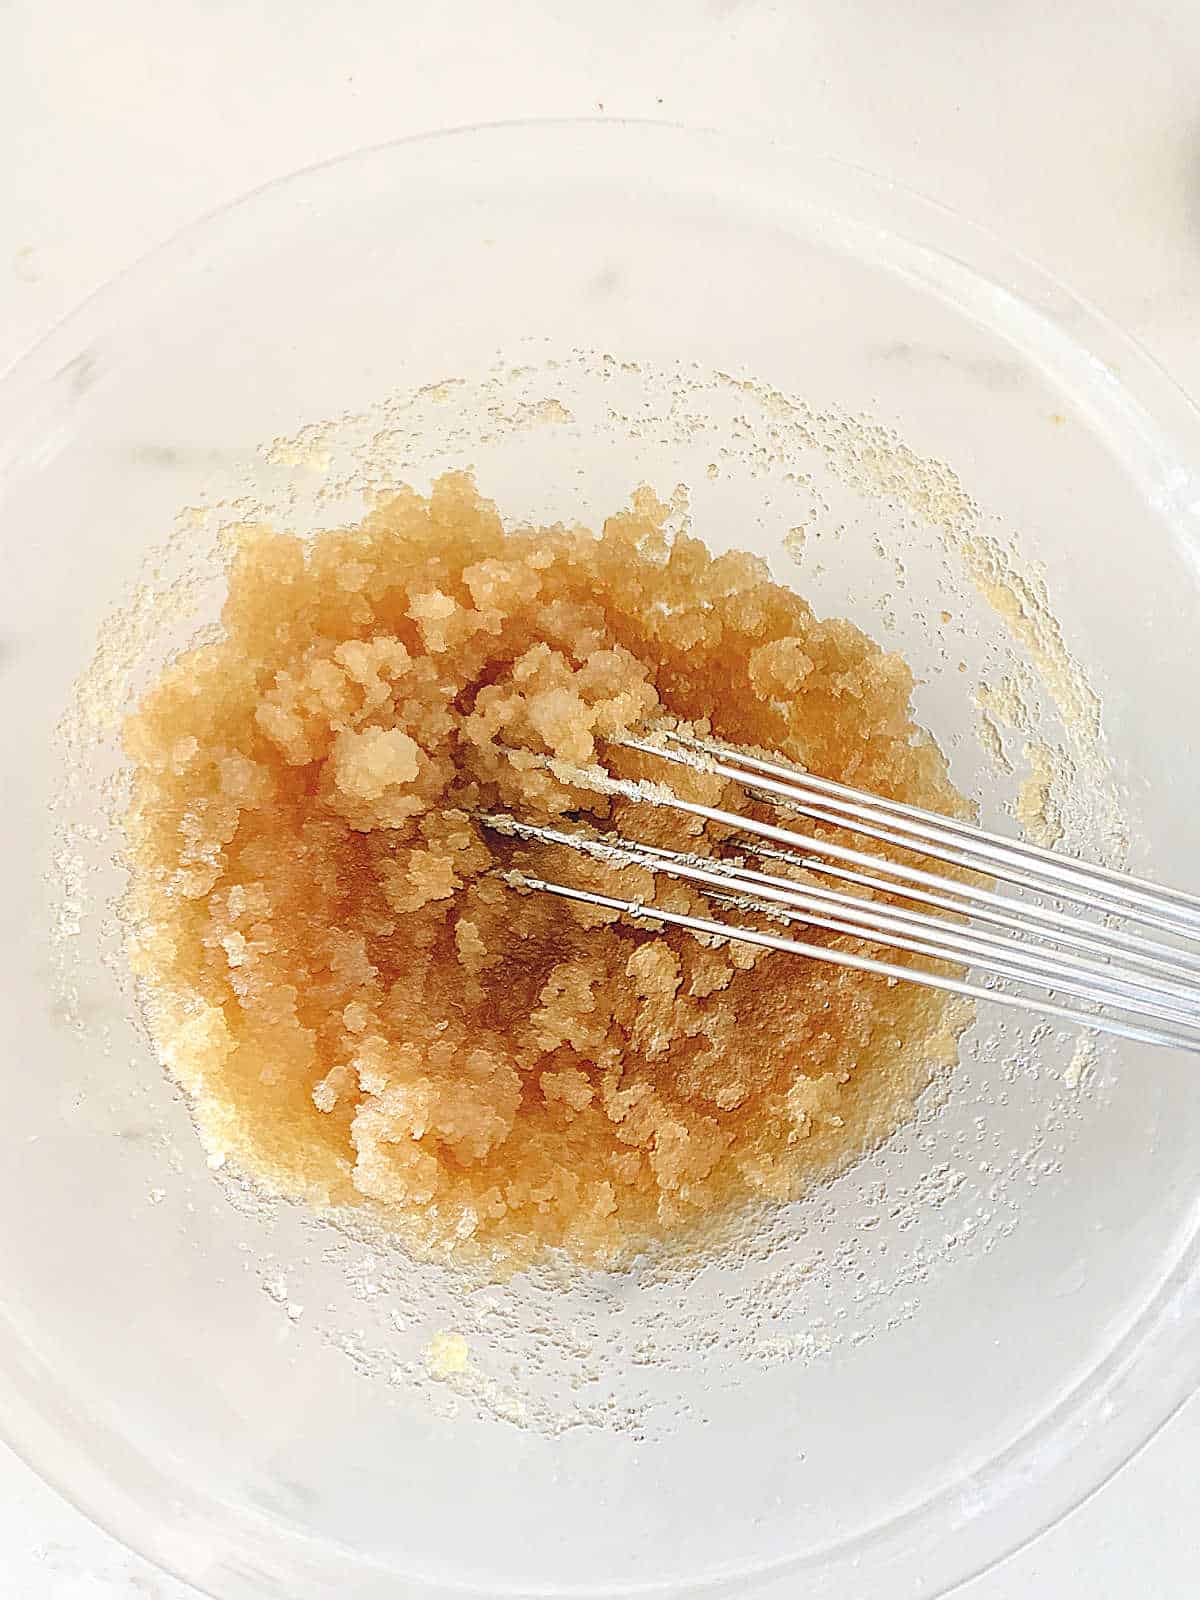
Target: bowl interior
(884, 1386)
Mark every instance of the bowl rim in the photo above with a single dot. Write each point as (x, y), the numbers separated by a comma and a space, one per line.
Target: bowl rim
(1076, 1447)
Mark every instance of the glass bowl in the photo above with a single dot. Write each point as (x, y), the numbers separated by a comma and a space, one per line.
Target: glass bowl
(875, 1392)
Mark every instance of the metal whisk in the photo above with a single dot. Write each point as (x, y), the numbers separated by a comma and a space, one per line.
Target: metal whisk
(1058, 939)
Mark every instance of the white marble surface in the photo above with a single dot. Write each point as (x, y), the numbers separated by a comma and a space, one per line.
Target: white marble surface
(1071, 129)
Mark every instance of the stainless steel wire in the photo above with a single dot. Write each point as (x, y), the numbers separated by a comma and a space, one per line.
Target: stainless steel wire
(1057, 939)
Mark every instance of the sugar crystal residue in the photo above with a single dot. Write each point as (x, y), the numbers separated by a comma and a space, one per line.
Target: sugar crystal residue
(1083, 1058)
(1038, 809)
(448, 1355)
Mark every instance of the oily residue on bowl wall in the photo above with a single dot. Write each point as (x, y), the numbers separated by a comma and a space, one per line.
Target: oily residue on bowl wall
(864, 527)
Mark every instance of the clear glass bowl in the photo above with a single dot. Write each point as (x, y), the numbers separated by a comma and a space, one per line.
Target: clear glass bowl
(876, 1392)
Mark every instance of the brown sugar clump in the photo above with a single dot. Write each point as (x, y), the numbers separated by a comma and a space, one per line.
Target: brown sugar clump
(338, 973)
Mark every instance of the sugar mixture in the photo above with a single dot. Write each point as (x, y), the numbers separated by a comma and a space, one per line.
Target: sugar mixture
(362, 1009)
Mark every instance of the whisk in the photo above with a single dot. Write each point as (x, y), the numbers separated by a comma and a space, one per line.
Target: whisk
(1028, 927)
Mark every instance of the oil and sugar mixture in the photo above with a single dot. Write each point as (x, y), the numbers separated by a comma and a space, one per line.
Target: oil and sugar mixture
(361, 1008)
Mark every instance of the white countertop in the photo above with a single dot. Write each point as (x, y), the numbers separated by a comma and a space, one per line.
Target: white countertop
(1071, 130)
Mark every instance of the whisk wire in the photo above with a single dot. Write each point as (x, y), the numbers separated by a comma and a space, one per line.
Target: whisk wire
(1028, 952)
(944, 838)
(634, 909)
